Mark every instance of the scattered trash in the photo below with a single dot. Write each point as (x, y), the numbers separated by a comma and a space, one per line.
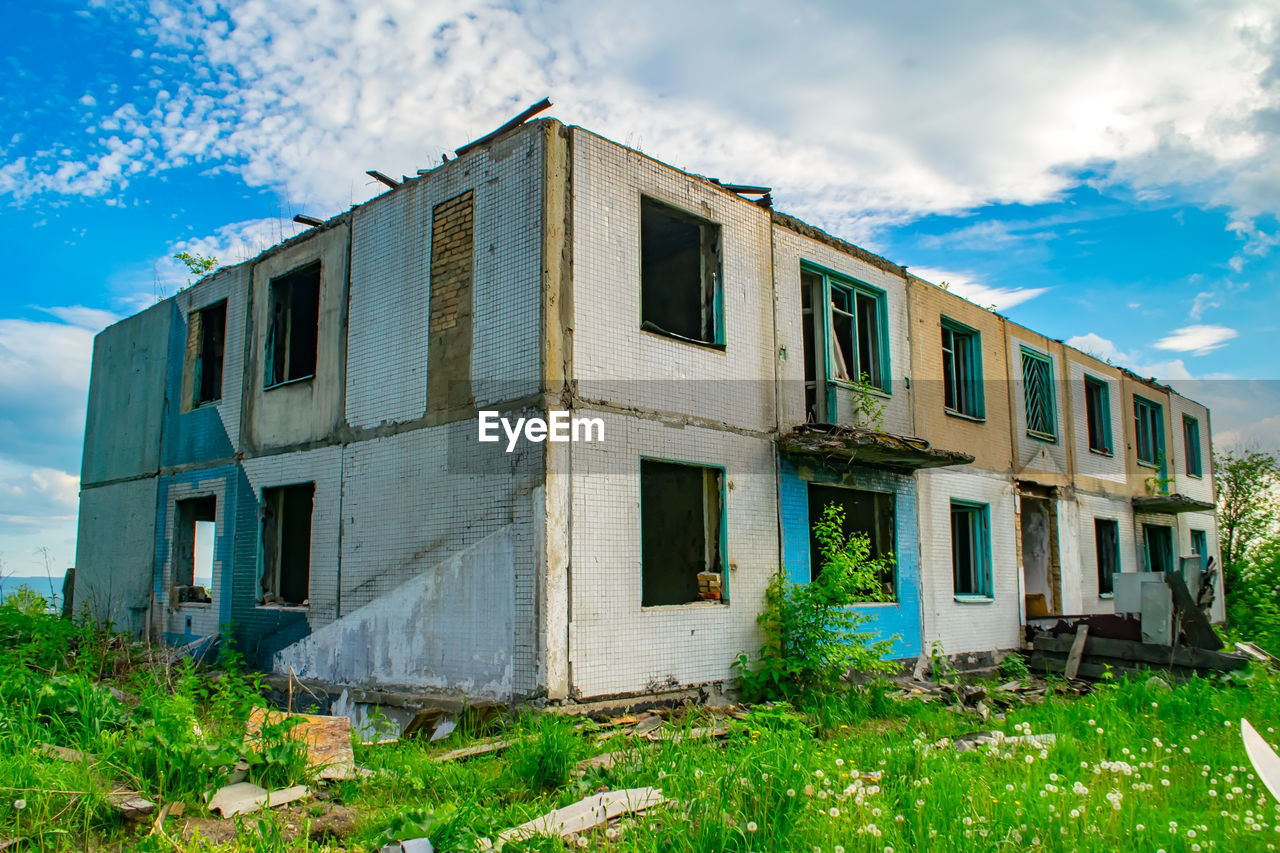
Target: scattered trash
(134, 808)
(472, 751)
(71, 756)
(676, 735)
(1263, 757)
(444, 728)
(245, 797)
(585, 814)
(328, 740)
(982, 700)
(1256, 652)
(972, 740)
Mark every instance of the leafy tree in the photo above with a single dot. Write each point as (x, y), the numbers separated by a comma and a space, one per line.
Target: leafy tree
(198, 265)
(1246, 483)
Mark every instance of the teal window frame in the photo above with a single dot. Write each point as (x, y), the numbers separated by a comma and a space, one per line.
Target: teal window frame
(978, 517)
(1191, 446)
(1107, 546)
(722, 539)
(1097, 407)
(962, 371)
(1200, 547)
(833, 282)
(1151, 541)
(1148, 432)
(1047, 405)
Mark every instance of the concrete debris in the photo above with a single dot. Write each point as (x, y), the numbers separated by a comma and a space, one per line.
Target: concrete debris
(472, 751)
(328, 740)
(71, 756)
(974, 740)
(245, 797)
(444, 728)
(413, 845)
(975, 698)
(134, 808)
(585, 814)
(670, 735)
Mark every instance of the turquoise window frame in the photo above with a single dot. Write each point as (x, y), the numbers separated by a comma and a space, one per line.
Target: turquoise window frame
(1191, 446)
(974, 395)
(1155, 420)
(723, 538)
(833, 280)
(1153, 536)
(980, 536)
(1103, 387)
(1200, 547)
(1050, 404)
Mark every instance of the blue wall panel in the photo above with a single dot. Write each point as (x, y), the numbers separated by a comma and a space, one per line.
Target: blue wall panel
(901, 619)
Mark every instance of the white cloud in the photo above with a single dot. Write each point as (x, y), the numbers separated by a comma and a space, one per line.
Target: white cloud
(1197, 340)
(1202, 302)
(1106, 350)
(963, 284)
(927, 116)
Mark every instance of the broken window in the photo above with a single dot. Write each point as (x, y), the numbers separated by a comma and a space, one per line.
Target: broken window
(1158, 545)
(1148, 431)
(962, 370)
(681, 520)
(815, 404)
(1200, 547)
(293, 326)
(211, 327)
(971, 550)
(868, 513)
(1191, 445)
(1097, 411)
(680, 274)
(194, 531)
(286, 544)
(1037, 384)
(851, 327)
(1106, 535)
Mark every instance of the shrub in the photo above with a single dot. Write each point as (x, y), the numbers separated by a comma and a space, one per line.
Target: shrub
(544, 758)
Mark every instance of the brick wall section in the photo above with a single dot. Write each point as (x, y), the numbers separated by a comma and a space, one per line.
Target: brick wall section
(449, 350)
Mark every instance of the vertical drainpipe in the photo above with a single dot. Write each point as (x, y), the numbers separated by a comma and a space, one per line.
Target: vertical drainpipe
(908, 286)
(777, 394)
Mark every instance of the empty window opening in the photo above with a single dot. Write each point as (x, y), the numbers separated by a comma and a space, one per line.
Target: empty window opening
(1040, 565)
(1200, 547)
(1191, 445)
(1148, 431)
(680, 274)
(815, 401)
(962, 370)
(1037, 384)
(1106, 535)
(286, 544)
(212, 330)
(971, 550)
(1158, 547)
(1097, 409)
(868, 513)
(681, 519)
(293, 326)
(194, 533)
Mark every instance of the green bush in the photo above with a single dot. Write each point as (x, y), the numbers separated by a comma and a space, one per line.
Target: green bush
(811, 633)
(544, 758)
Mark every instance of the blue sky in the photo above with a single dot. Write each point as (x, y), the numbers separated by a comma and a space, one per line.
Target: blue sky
(1105, 173)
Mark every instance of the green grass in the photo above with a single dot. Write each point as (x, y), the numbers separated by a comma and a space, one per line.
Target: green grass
(1136, 766)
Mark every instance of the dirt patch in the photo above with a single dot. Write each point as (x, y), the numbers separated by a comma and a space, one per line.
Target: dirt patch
(323, 822)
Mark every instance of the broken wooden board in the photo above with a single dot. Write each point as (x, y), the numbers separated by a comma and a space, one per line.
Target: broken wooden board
(71, 756)
(677, 735)
(585, 814)
(245, 797)
(1264, 758)
(1077, 651)
(328, 740)
(472, 751)
(1126, 653)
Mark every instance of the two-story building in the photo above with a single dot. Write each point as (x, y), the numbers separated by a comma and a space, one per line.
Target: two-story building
(288, 452)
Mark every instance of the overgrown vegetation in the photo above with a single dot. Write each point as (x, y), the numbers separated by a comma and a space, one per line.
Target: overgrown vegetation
(1135, 765)
(1248, 498)
(811, 631)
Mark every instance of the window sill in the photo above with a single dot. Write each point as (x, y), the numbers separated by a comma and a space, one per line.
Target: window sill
(853, 386)
(978, 419)
(975, 599)
(1196, 476)
(1152, 465)
(296, 607)
(1106, 596)
(663, 333)
(193, 605)
(873, 604)
(289, 382)
(699, 604)
(205, 404)
(1043, 436)
(1107, 453)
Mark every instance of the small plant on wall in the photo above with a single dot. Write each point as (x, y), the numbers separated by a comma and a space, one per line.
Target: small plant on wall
(867, 405)
(812, 637)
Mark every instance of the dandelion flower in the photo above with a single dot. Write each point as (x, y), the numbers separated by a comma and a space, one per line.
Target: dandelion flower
(833, 811)
(751, 826)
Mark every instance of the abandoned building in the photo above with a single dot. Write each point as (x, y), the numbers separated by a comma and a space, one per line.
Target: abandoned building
(287, 450)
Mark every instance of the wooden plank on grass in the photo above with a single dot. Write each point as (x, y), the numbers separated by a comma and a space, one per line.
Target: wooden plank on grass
(1077, 650)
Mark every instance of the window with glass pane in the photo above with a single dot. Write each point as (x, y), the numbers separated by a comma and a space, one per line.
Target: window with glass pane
(1148, 431)
(1037, 383)
(1106, 534)
(1097, 407)
(962, 370)
(970, 550)
(1191, 445)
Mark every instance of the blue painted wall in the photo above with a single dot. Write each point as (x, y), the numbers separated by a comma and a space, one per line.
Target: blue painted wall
(902, 618)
